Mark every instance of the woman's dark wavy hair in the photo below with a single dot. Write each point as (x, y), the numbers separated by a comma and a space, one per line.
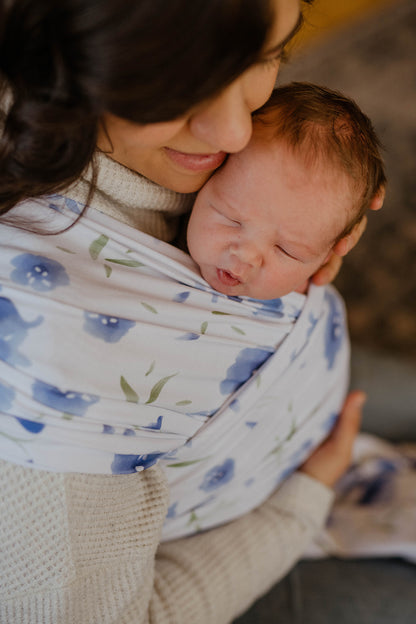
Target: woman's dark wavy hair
(65, 62)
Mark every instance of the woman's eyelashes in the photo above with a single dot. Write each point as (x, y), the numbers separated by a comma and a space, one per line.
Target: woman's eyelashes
(272, 61)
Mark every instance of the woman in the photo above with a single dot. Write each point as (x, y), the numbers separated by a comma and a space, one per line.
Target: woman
(166, 90)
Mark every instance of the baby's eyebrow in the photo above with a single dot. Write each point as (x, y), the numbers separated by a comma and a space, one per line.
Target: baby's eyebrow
(280, 46)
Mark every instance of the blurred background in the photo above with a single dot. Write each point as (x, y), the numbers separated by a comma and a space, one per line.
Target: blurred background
(367, 49)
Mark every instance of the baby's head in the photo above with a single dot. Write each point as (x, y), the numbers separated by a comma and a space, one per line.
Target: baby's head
(270, 217)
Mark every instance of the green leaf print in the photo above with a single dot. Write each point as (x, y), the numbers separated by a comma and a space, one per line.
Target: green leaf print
(108, 270)
(152, 365)
(97, 245)
(193, 519)
(220, 313)
(148, 307)
(238, 330)
(157, 388)
(130, 394)
(65, 250)
(127, 263)
(204, 327)
(187, 463)
(185, 402)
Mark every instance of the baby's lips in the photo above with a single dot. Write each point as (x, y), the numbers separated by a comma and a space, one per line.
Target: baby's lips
(227, 278)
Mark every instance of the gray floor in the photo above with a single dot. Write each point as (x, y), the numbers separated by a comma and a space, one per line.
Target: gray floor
(371, 591)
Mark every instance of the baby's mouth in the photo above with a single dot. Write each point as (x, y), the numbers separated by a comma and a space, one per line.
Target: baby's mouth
(227, 278)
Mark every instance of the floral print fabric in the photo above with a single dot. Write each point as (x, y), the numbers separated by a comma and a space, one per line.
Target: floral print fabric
(115, 354)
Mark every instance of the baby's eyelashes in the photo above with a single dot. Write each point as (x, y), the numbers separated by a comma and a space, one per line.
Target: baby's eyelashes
(282, 250)
(226, 217)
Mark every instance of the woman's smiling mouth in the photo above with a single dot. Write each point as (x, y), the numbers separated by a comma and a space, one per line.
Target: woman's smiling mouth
(196, 162)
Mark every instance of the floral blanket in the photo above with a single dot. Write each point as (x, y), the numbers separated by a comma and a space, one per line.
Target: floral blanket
(374, 514)
(115, 354)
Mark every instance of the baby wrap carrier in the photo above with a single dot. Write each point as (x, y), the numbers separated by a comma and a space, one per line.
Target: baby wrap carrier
(115, 354)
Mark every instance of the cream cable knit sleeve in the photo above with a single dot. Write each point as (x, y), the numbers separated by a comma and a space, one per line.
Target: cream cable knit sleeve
(83, 549)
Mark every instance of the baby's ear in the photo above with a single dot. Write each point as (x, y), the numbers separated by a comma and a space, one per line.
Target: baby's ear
(345, 244)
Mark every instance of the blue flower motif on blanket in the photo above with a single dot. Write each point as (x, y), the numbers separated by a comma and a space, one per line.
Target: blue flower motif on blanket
(69, 402)
(335, 330)
(39, 272)
(218, 476)
(126, 464)
(296, 459)
(61, 203)
(33, 426)
(107, 328)
(13, 331)
(269, 307)
(182, 296)
(247, 361)
(370, 482)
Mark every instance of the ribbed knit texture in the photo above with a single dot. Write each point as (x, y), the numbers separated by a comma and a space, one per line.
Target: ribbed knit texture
(133, 199)
(81, 548)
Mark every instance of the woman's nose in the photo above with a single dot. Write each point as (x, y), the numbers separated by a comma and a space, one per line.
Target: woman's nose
(225, 122)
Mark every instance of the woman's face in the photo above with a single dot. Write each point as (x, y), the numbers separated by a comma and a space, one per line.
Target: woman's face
(182, 154)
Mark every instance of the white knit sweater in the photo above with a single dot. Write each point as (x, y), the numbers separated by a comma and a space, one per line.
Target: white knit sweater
(83, 549)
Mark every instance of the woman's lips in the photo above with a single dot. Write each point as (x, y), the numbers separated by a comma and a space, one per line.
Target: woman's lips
(196, 162)
(226, 278)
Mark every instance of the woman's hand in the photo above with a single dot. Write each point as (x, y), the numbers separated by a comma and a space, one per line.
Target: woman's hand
(330, 460)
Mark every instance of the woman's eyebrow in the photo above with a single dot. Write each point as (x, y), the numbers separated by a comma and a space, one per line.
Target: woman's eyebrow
(280, 46)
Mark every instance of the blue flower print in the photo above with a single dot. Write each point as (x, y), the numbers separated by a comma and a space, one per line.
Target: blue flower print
(59, 203)
(126, 464)
(13, 331)
(33, 426)
(269, 307)
(334, 331)
(329, 423)
(313, 320)
(39, 272)
(248, 360)
(172, 511)
(296, 459)
(189, 336)
(108, 328)
(6, 397)
(218, 476)
(70, 402)
(182, 296)
(155, 425)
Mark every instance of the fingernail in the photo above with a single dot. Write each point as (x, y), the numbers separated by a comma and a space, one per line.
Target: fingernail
(361, 399)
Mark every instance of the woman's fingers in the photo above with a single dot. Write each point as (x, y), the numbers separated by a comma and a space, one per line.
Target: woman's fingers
(330, 460)
(328, 271)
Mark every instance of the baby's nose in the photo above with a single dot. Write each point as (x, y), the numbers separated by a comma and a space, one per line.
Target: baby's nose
(248, 254)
